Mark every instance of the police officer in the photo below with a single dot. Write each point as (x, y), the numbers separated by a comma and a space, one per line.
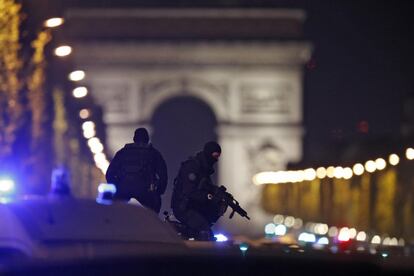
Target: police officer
(193, 202)
(139, 171)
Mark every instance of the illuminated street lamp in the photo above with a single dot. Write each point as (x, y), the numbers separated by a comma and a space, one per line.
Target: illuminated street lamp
(54, 22)
(80, 92)
(63, 51)
(77, 75)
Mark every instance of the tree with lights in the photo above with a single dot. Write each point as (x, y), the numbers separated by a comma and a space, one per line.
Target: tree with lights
(35, 132)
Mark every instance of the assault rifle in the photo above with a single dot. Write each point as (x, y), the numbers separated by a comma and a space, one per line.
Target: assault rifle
(231, 202)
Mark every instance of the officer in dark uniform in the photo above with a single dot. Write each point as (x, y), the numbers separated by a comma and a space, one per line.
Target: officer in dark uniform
(193, 202)
(139, 171)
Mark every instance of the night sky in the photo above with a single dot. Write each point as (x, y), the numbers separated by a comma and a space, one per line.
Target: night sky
(359, 80)
(360, 74)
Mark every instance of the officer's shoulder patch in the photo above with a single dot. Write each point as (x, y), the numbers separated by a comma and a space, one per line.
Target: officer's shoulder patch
(192, 176)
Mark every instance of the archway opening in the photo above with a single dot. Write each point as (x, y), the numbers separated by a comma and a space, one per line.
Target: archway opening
(181, 126)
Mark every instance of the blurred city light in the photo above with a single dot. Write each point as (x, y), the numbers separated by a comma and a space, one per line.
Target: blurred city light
(330, 171)
(80, 92)
(106, 187)
(84, 113)
(95, 145)
(333, 231)
(7, 185)
(53, 22)
(103, 166)
(323, 240)
(344, 234)
(394, 242)
(348, 173)
(63, 51)
(321, 228)
(380, 164)
(376, 239)
(362, 236)
(88, 125)
(409, 153)
(310, 174)
(89, 133)
(270, 229)
(106, 192)
(394, 159)
(370, 166)
(352, 233)
(280, 230)
(289, 221)
(321, 172)
(221, 238)
(243, 247)
(338, 172)
(307, 237)
(278, 219)
(386, 241)
(297, 176)
(99, 157)
(77, 75)
(298, 223)
(358, 169)
(264, 178)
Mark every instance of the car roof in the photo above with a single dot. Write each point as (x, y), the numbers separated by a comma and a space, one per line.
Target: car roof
(68, 219)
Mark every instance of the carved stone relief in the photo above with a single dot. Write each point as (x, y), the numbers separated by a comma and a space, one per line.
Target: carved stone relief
(215, 94)
(264, 98)
(113, 96)
(265, 157)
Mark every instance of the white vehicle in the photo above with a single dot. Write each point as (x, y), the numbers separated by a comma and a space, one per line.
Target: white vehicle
(68, 228)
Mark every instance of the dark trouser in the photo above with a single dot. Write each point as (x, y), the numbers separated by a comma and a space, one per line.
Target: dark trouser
(150, 200)
(196, 222)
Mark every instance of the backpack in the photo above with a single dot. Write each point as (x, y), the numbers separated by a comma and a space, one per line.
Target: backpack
(138, 165)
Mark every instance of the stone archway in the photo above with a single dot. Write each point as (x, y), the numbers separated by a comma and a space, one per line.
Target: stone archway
(180, 127)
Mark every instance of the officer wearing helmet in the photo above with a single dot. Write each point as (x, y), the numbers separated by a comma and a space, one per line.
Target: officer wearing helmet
(193, 202)
(139, 171)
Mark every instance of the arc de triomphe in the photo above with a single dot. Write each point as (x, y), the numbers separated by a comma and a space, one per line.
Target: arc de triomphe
(250, 76)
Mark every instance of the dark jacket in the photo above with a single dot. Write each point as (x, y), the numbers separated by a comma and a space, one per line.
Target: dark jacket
(138, 169)
(193, 188)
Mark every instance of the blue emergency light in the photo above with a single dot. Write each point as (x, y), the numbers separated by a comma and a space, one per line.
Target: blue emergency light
(6, 186)
(106, 192)
(220, 238)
